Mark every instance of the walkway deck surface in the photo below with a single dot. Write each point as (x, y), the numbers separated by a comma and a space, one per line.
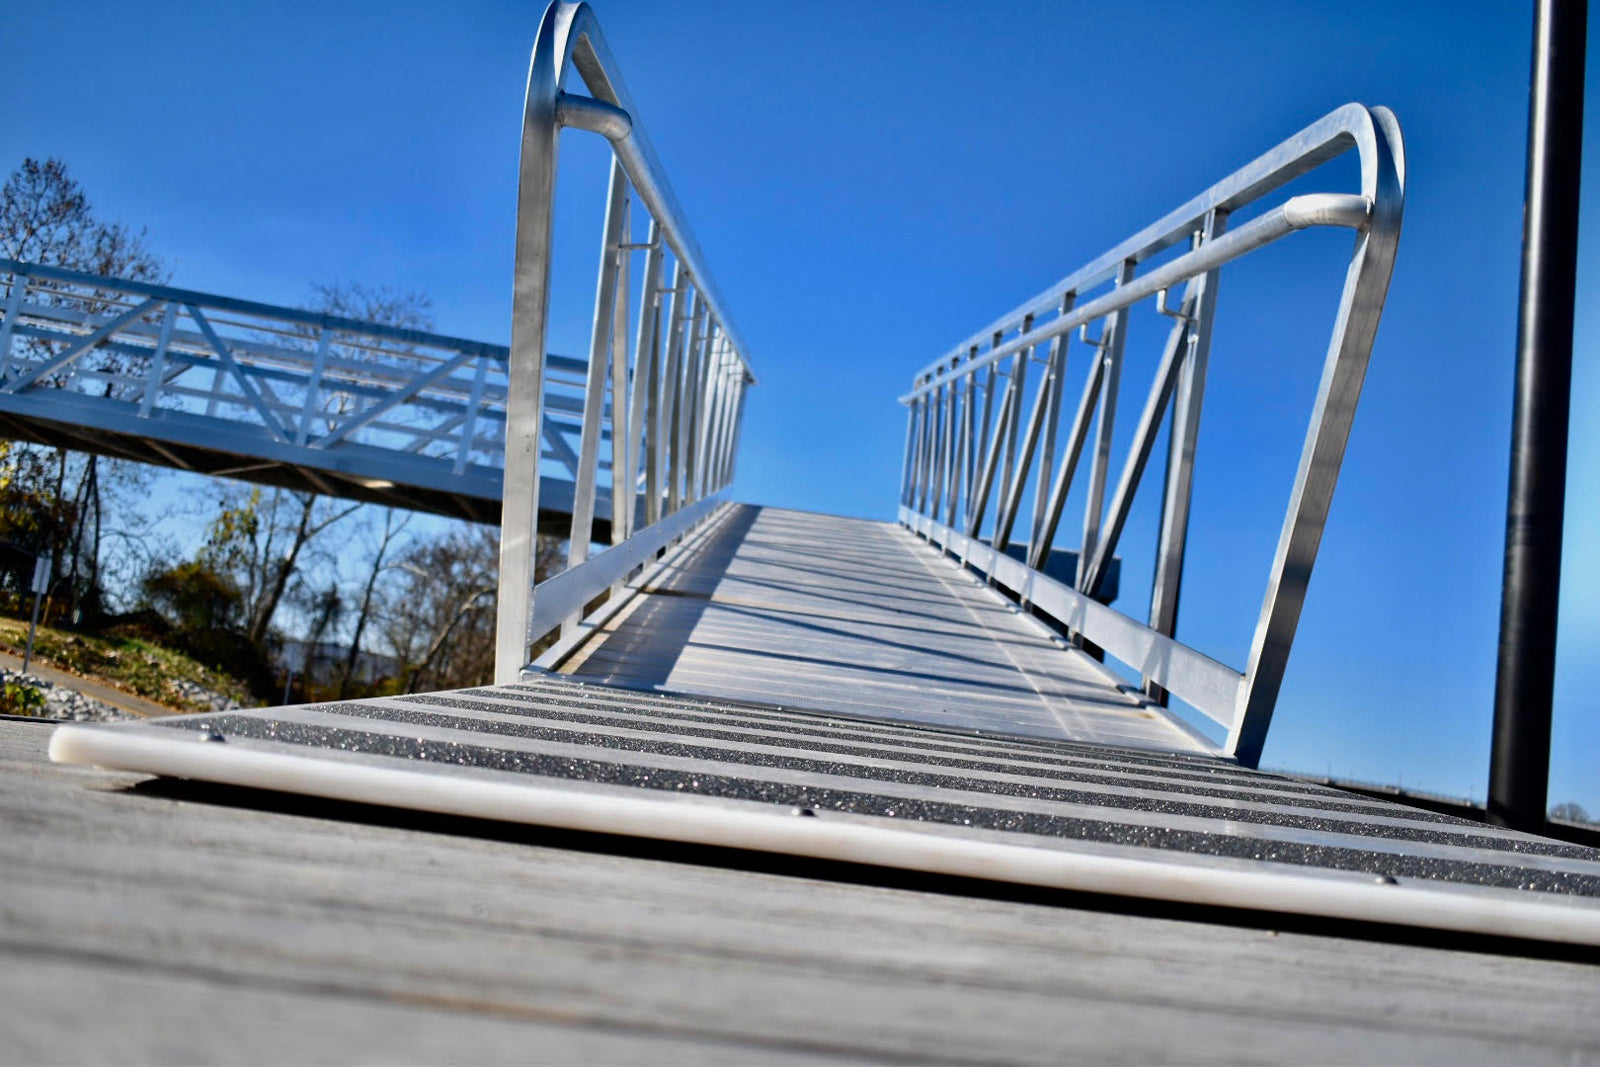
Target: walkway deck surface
(864, 618)
(160, 922)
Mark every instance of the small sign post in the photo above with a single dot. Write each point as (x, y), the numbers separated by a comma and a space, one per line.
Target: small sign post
(41, 585)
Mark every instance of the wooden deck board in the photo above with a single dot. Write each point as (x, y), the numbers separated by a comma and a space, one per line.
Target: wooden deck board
(860, 617)
(140, 926)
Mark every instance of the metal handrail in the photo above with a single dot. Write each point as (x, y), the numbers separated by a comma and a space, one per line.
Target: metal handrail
(677, 404)
(967, 463)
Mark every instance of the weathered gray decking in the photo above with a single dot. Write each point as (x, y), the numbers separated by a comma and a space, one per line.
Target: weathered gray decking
(835, 614)
(140, 925)
(144, 920)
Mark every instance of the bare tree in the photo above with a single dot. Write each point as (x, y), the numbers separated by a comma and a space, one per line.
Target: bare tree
(394, 525)
(442, 624)
(1569, 811)
(292, 521)
(45, 217)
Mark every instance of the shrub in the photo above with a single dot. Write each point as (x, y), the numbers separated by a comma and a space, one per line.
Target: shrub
(18, 698)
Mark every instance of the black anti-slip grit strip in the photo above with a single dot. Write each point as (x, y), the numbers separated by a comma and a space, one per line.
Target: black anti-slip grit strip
(830, 799)
(903, 755)
(800, 762)
(931, 738)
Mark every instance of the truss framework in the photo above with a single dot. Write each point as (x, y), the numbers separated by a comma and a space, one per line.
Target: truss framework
(282, 395)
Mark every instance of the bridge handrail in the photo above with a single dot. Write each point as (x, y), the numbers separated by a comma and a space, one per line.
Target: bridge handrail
(676, 416)
(314, 319)
(954, 466)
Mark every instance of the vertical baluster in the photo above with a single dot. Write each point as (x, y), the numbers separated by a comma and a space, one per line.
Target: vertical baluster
(667, 424)
(684, 417)
(469, 426)
(919, 417)
(738, 430)
(726, 475)
(643, 404)
(978, 493)
(905, 464)
(941, 438)
(1087, 404)
(992, 452)
(925, 468)
(1111, 356)
(1144, 437)
(1008, 468)
(1056, 374)
(719, 421)
(158, 362)
(971, 436)
(19, 289)
(957, 447)
(623, 488)
(308, 406)
(583, 493)
(1178, 487)
(709, 381)
(708, 407)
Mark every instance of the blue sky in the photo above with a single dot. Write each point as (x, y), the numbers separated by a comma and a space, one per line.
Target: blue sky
(871, 183)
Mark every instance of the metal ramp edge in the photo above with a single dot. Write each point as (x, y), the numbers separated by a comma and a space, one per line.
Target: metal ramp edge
(1055, 814)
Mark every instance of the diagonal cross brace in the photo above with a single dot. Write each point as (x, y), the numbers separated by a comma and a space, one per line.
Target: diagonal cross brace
(246, 386)
(1144, 439)
(373, 410)
(74, 351)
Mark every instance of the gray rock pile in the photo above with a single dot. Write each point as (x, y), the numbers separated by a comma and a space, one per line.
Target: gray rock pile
(63, 703)
(207, 699)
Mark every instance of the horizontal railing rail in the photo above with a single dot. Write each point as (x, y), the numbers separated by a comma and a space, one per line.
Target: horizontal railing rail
(676, 389)
(971, 452)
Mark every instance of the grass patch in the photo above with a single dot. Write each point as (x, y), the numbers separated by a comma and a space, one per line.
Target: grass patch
(126, 663)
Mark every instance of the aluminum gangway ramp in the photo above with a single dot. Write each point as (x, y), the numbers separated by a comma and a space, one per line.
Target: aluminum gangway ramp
(862, 618)
(926, 695)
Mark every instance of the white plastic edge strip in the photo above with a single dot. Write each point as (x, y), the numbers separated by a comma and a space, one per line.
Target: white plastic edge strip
(1409, 904)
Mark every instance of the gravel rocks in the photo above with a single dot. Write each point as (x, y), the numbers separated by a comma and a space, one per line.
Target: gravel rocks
(207, 699)
(63, 703)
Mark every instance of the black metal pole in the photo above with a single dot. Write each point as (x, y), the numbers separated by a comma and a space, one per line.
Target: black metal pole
(1519, 763)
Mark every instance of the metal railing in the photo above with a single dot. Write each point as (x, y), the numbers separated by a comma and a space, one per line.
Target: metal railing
(971, 447)
(281, 395)
(676, 402)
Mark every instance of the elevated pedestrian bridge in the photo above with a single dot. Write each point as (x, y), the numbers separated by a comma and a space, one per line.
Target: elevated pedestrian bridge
(952, 692)
(278, 395)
